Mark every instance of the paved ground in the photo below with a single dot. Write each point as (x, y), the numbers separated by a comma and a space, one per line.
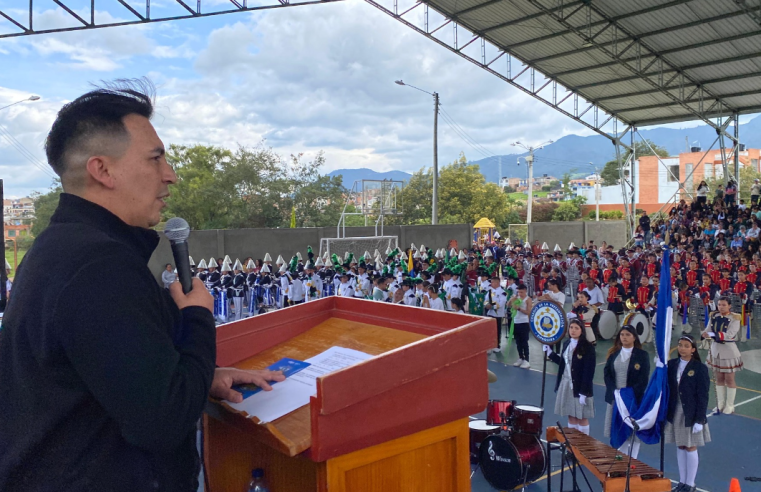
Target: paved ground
(734, 452)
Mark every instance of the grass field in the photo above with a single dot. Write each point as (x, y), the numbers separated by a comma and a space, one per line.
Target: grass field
(9, 258)
(523, 196)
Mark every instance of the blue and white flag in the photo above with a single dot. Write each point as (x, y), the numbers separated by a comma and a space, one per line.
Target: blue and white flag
(650, 414)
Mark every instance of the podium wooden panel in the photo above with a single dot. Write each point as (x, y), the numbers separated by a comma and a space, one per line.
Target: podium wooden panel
(395, 420)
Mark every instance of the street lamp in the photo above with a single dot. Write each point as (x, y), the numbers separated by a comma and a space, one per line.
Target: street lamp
(597, 192)
(530, 164)
(435, 198)
(30, 98)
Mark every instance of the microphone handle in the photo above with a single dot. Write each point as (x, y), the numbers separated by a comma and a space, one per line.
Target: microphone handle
(182, 262)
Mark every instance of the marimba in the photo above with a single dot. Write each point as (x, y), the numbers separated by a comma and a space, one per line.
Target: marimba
(609, 465)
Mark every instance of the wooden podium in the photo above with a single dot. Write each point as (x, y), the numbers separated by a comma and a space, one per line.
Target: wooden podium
(397, 422)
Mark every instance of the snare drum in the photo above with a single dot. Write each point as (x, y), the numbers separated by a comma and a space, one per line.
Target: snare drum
(528, 419)
(499, 411)
(608, 325)
(641, 324)
(479, 430)
(507, 462)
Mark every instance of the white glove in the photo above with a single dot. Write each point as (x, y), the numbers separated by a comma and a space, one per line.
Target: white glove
(583, 399)
(697, 428)
(658, 362)
(547, 349)
(709, 334)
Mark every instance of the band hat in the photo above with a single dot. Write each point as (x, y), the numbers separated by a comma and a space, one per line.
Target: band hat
(202, 264)
(251, 265)
(462, 256)
(423, 249)
(265, 269)
(298, 255)
(346, 255)
(416, 256)
(413, 247)
(389, 251)
(237, 265)
(367, 255)
(404, 256)
(213, 263)
(571, 246)
(376, 254)
(267, 257)
(309, 266)
(545, 247)
(280, 260)
(557, 248)
(283, 269)
(452, 252)
(190, 260)
(488, 254)
(7, 265)
(319, 262)
(225, 267)
(227, 259)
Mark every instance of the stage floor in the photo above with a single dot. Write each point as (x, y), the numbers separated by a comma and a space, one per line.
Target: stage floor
(733, 452)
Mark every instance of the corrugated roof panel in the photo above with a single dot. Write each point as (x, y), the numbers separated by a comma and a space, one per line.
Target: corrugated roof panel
(735, 86)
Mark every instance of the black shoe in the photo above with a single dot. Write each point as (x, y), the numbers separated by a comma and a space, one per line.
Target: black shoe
(678, 487)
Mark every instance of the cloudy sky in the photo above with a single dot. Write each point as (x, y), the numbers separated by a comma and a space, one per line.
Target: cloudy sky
(304, 79)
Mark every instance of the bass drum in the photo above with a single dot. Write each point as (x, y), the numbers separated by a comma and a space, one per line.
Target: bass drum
(641, 324)
(479, 430)
(508, 462)
(608, 325)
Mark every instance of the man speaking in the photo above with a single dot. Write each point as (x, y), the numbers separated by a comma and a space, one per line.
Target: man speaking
(103, 373)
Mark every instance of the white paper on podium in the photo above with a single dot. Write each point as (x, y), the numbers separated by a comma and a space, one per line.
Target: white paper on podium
(294, 392)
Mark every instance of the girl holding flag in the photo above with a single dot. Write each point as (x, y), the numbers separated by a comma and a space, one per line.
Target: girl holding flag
(628, 366)
(687, 425)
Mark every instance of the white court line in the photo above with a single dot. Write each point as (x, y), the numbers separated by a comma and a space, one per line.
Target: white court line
(748, 401)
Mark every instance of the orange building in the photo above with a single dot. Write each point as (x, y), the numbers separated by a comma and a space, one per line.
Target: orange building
(656, 181)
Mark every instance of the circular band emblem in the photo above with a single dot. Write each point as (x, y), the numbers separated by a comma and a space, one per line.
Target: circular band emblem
(548, 322)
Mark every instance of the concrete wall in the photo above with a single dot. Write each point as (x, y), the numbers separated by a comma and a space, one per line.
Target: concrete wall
(242, 243)
(579, 232)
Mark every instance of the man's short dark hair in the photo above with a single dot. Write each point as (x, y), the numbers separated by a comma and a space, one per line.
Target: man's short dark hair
(97, 114)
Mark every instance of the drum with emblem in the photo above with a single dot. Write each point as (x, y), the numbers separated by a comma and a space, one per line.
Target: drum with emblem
(641, 324)
(509, 462)
(548, 322)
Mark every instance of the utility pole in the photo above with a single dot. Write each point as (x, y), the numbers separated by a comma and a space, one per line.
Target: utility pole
(435, 202)
(3, 274)
(499, 178)
(530, 163)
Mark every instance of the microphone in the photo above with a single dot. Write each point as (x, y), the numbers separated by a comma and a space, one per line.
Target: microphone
(177, 231)
(634, 423)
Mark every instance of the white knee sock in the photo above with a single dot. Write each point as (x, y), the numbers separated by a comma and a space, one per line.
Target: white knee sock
(692, 467)
(681, 459)
(573, 426)
(624, 449)
(584, 429)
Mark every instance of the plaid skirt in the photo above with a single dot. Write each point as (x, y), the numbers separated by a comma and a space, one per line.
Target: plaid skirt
(681, 435)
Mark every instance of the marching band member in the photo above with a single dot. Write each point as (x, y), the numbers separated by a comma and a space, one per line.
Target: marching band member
(237, 291)
(522, 304)
(576, 371)
(213, 277)
(627, 366)
(345, 289)
(586, 313)
(312, 283)
(616, 296)
(724, 357)
(494, 305)
(644, 294)
(201, 270)
(408, 298)
(363, 289)
(686, 422)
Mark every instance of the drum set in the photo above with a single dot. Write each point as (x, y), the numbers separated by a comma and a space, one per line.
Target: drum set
(506, 444)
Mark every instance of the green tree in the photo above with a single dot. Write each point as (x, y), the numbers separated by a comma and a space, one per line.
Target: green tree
(508, 189)
(566, 181)
(416, 199)
(569, 210)
(44, 207)
(610, 175)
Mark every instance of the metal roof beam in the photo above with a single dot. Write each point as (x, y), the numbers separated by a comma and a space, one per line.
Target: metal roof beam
(728, 78)
(644, 34)
(677, 119)
(579, 3)
(687, 100)
(671, 70)
(636, 70)
(591, 25)
(662, 53)
(475, 7)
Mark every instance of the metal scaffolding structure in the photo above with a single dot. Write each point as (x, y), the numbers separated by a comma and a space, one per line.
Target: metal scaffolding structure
(609, 65)
(24, 24)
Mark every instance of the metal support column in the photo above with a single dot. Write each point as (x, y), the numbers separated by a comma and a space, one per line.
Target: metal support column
(3, 274)
(736, 119)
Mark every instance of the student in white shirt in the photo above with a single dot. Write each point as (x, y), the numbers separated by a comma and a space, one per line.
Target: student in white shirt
(521, 328)
(432, 300)
(553, 292)
(595, 294)
(345, 289)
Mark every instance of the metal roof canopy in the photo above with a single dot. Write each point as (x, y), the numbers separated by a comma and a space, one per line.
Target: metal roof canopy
(643, 62)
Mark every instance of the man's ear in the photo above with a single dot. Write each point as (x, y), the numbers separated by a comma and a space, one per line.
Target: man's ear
(100, 169)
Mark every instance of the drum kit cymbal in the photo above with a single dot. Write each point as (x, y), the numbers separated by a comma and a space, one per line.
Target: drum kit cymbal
(506, 445)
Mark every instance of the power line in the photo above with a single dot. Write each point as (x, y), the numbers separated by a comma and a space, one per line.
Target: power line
(464, 135)
(25, 152)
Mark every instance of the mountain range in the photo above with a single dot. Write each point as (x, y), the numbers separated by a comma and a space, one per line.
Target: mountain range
(575, 153)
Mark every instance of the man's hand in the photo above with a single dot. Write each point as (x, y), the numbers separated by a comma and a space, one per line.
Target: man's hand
(226, 377)
(198, 296)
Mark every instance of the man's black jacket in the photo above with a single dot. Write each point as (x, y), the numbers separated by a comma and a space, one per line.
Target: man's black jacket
(102, 378)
